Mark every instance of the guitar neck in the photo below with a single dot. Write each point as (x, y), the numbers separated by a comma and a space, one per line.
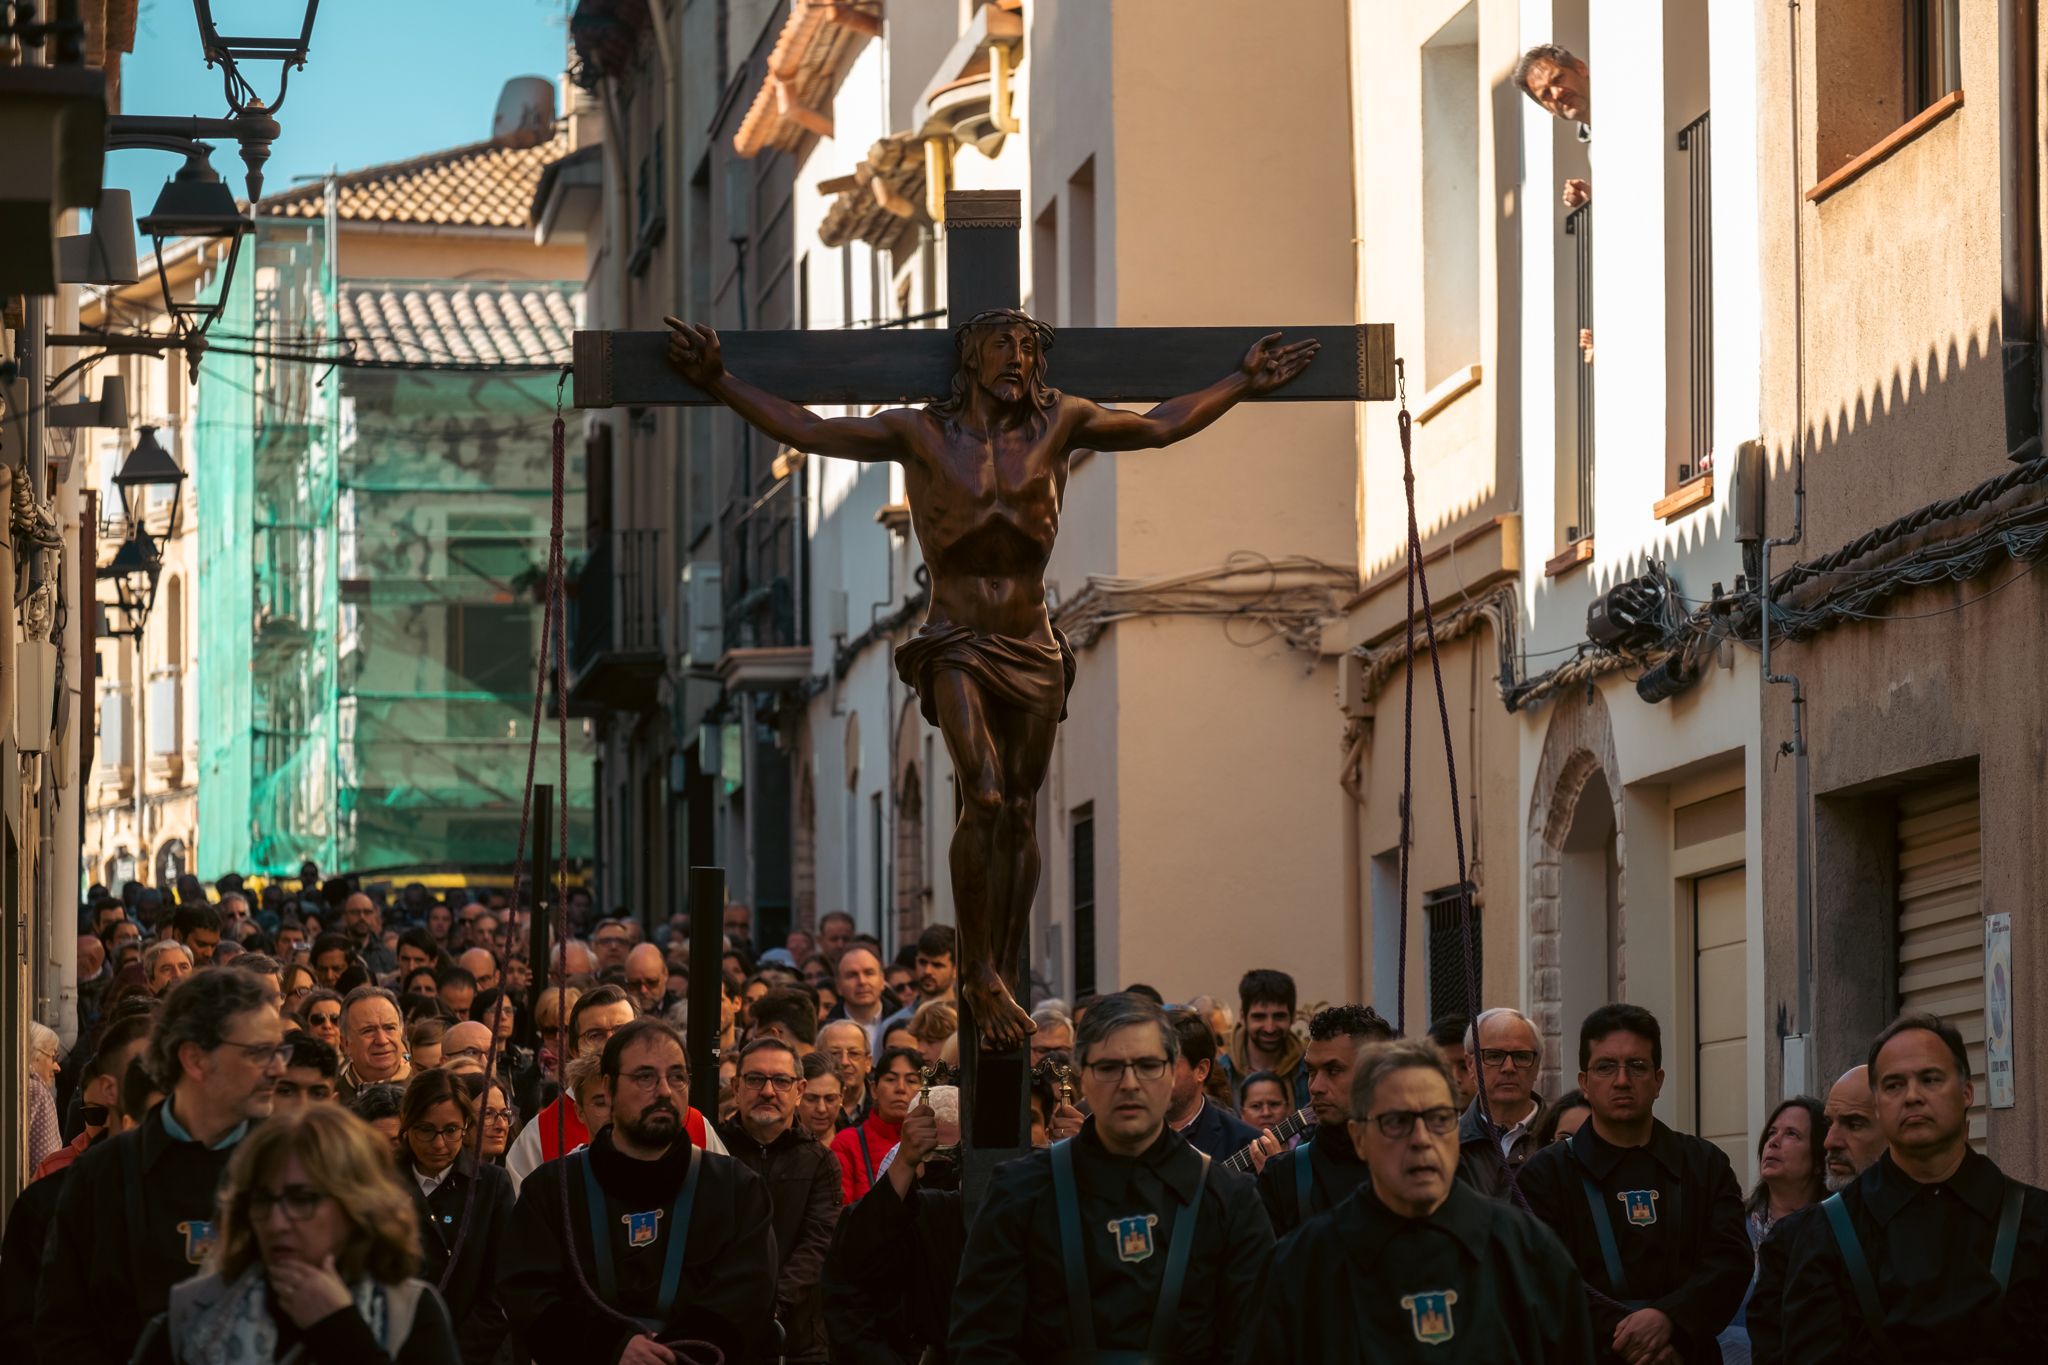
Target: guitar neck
(1300, 1121)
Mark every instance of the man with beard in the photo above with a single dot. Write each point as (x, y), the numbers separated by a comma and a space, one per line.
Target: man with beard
(1327, 1166)
(1414, 1256)
(364, 924)
(803, 1187)
(137, 1214)
(1652, 1218)
(676, 1238)
(1123, 1238)
(1854, 1142)
(1932, 1253)
(931, 971)
(1264, 1039)
(1208, 1128)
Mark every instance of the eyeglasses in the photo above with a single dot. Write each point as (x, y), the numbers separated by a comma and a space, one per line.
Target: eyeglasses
(1496, 1058)
(611, 940)
(646, 1080)
(1399, 1123)
(319, 1019)
(300, 1202)
(1606, 1068)
(475, 1054)
(845, 1054)
(261, 1054)
(761, 1080)
(500, 1115)
(428, 1135)
(591, 1037)
(649, 984)
(1111, 1073)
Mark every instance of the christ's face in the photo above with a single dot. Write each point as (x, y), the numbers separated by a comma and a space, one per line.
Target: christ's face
(1007, 361)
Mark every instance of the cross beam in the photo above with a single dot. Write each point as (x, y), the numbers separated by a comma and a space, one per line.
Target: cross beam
(904, 366)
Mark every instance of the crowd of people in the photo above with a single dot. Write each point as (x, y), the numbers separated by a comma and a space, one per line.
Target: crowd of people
(339, 1127)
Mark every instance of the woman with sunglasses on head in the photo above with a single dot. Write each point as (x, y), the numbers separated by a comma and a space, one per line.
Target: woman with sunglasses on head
(320, 1015)
(316, 1261)
(438, 1132)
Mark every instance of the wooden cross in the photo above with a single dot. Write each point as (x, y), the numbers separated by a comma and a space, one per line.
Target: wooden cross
(856, 367)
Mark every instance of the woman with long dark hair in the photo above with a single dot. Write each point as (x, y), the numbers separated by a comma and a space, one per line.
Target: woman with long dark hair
(1791, 1171)
(437, 1126)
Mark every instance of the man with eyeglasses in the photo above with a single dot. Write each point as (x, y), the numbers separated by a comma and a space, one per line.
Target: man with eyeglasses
(1414, 1264)
(845, 1045)
(803, 1187)
(1121, 1239)
(593, 1019)
(677, 1238)
(465, 1046)
(647, 979)
(1498, 1131)
(137, 1216)
(1327, 1166)
(612, 941)
(1653, 1218)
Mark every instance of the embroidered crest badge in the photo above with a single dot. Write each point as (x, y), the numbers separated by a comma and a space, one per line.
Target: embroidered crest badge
(642, 1228)
(199, 1237)
(1133, 1235)
(1429, 1315)
(1641, 1206)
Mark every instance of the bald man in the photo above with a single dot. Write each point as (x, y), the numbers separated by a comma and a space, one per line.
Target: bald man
(1854, 1140)
(582, 965)
(647, 979)
(482, 964)
(465, 1045)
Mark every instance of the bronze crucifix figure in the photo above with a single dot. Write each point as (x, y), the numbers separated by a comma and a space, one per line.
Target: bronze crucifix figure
(986, 469)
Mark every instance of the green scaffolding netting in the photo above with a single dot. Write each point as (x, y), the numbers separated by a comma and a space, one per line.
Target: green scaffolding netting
(371, 542)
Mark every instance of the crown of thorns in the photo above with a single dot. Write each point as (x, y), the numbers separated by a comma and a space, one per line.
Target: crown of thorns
(990, 316)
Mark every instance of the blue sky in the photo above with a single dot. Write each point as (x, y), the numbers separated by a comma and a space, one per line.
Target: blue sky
(384, 80)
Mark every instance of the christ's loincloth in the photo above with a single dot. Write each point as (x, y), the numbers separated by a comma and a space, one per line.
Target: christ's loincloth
(1021, 673)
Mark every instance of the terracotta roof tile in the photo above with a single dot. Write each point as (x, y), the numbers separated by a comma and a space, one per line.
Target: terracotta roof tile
(481, 185)
(411, 322)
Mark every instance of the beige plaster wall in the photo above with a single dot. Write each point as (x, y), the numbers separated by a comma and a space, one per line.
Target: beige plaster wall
(397, 255)
(1220, 199)
(1900, 341)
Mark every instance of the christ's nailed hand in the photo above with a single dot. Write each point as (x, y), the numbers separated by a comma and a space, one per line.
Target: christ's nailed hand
(1269, 365)
(693, 352)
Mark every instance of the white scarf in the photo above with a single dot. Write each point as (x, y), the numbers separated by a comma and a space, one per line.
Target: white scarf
(239, 1330)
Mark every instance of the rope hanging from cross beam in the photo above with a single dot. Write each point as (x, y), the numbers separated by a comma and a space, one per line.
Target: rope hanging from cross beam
(1418, 586)
(553, 640)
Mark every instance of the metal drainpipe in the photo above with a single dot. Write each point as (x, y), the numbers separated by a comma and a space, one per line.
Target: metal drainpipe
(2019, 184)
(1803, 926)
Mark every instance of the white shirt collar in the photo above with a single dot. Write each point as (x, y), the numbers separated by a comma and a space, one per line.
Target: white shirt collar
(429, 1183)
(1201, 1103)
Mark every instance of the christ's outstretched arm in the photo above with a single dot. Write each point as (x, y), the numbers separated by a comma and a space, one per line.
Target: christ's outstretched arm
(1266, 366)
(693, 353)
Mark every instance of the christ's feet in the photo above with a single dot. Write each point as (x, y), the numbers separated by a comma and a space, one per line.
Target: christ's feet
(1003, 1023)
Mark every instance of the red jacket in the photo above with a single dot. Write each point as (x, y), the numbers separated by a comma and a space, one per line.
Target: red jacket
(65, 1155)
(860, 1151)
(576, 1135)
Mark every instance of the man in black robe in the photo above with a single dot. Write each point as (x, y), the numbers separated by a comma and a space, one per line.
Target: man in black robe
(642, 1184)
(1933, 1253)
(1668, 1259)
(1123, 1238)
(1414, 1264)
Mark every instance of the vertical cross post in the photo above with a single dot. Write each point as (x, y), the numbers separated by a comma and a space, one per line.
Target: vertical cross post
(982, 232)
(707, 993)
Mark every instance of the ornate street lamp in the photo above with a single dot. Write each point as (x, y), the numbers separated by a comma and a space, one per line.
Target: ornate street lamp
(195, 203)
(227, 52)
(149, 465)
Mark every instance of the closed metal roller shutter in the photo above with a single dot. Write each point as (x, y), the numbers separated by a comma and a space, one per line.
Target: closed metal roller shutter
(1941, 920)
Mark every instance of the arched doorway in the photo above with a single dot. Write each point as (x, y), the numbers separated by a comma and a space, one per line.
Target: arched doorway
(909, 851)
(1577, 884)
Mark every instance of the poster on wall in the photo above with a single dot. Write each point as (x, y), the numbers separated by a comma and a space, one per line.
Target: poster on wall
(1998, 1010)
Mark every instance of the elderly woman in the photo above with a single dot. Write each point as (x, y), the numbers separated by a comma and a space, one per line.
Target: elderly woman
(316, 1259)
(44, 1131)
(439, 1122)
